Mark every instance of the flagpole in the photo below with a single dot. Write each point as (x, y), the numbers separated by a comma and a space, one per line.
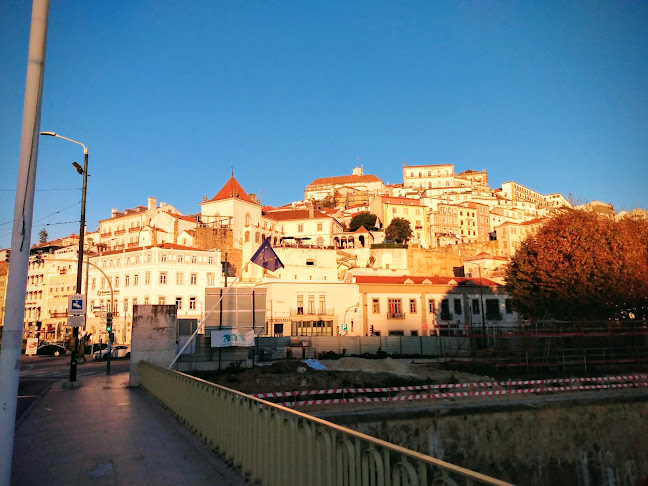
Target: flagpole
(208, 315)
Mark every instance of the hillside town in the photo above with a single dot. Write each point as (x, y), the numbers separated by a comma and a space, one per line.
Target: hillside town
(449, 274)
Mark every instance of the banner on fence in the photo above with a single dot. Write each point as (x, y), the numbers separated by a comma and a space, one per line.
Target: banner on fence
(232, 337)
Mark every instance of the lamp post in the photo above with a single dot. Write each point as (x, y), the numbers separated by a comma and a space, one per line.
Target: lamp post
(83, 171)
(481, 295)
(348, 309)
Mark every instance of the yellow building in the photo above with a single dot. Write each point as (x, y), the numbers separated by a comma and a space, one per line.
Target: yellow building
(413, 210)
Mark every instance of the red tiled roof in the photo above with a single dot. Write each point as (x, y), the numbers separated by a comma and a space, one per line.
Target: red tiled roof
(406, 201)
(295, 214)
(348, 179)
(231, 189)
(184, 218)
(436, 280)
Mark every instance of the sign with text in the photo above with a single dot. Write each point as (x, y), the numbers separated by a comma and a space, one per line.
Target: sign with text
(32, 346)
(232, 337)
(76, 321)
(76, 305)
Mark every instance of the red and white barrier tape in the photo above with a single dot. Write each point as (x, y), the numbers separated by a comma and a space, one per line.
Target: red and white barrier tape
(487, 384)
(425, 396)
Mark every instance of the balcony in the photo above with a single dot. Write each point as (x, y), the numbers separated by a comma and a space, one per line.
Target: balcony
(55, 315)
(299, 311)
(133, 245)
(106, 235)
(120, 232)
(395, 315)
(134, 229)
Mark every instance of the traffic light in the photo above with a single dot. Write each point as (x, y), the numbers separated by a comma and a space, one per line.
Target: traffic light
(7, 256)
(371, 330)
(109, 321)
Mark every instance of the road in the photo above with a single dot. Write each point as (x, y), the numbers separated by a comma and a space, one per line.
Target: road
(39, 373)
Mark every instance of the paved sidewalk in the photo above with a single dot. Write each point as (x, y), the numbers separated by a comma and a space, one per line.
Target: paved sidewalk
(105, 433)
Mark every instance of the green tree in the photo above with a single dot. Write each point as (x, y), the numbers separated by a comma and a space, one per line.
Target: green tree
(399, 230)
(367, 220)
(42, 236)
(582, 265)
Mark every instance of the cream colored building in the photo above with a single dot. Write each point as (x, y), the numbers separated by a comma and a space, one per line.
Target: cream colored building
(162, 274)
(510, 235)
(143, 226)
(355, 185)
(305, 226)
(388, 208)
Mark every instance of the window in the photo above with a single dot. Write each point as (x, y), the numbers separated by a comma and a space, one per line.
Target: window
(163, 257)
(431, 308)
(247, 219)
(178, 303)
(300, 304)
(93, 286)
(210, 260)
(192, 303)
(247, 236)
(311, 304)
(102, 285)
(193, 279)
(135, 280)
(161, 301)
(508, 306)
(300, 228)
(147, 278)
(457, 306)
(146, 301)
(375, 306)
(147, 259)
(475, 306)
(322, 304)
(257, 237)
(179, 278)
(126, 280)
(412, 306)
(319, 226)
(134, 301)
(163, 277)
(180, 258)
(445, 310)
(210, 279)
(194, 259)
(125, 306)
(394, 308)
(492, 310)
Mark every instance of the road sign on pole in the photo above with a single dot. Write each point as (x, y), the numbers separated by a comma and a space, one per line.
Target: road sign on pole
(76, 305)
(76, 321)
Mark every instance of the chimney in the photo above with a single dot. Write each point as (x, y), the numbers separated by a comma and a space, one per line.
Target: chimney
(113, 212)
(311, 212)
(152, 203)
(253, 197)
(162, 204)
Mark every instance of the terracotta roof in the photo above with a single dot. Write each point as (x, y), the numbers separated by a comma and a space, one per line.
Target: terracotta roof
(348, 179)
(406, 201)
(295, 214)
(184, 218)
(436, 280)
(231, 189)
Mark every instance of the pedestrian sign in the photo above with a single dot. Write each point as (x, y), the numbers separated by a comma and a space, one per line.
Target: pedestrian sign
(76, 305)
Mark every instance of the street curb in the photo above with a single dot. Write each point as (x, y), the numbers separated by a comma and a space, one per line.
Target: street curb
(27, 412)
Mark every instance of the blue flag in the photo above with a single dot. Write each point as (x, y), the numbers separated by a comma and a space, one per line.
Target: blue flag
(266, 257)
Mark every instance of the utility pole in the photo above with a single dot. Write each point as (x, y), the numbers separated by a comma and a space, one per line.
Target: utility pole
(21, 236)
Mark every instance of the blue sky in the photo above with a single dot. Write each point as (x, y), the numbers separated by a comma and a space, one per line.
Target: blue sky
(169, 95)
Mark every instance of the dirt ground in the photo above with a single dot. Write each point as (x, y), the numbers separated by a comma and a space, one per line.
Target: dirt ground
(284, 376)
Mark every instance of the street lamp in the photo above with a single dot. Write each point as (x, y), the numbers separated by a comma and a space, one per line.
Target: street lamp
(84, 172)
(348, 309)
(481, 295)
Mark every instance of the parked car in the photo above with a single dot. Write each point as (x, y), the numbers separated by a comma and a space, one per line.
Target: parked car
(118, 351)
(50, 350)
(90, 349)
(121, 351)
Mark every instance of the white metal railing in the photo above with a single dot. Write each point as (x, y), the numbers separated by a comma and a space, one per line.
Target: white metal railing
(274, 445)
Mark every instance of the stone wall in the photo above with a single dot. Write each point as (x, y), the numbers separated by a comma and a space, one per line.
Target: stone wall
(582, 444)
(221, 239)
(153, 338)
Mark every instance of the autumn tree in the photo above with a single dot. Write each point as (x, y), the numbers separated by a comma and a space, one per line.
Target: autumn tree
(582, 265)
(367, 220)
(399, 230)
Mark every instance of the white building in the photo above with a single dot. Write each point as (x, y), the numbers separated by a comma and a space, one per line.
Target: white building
(162, 274)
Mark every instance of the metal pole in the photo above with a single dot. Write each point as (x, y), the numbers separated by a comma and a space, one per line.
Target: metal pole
(21, 237)
(75, 331)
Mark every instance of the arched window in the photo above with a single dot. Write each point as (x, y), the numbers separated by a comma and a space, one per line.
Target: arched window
(247, 219)
(247, 236)
(256, 237)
